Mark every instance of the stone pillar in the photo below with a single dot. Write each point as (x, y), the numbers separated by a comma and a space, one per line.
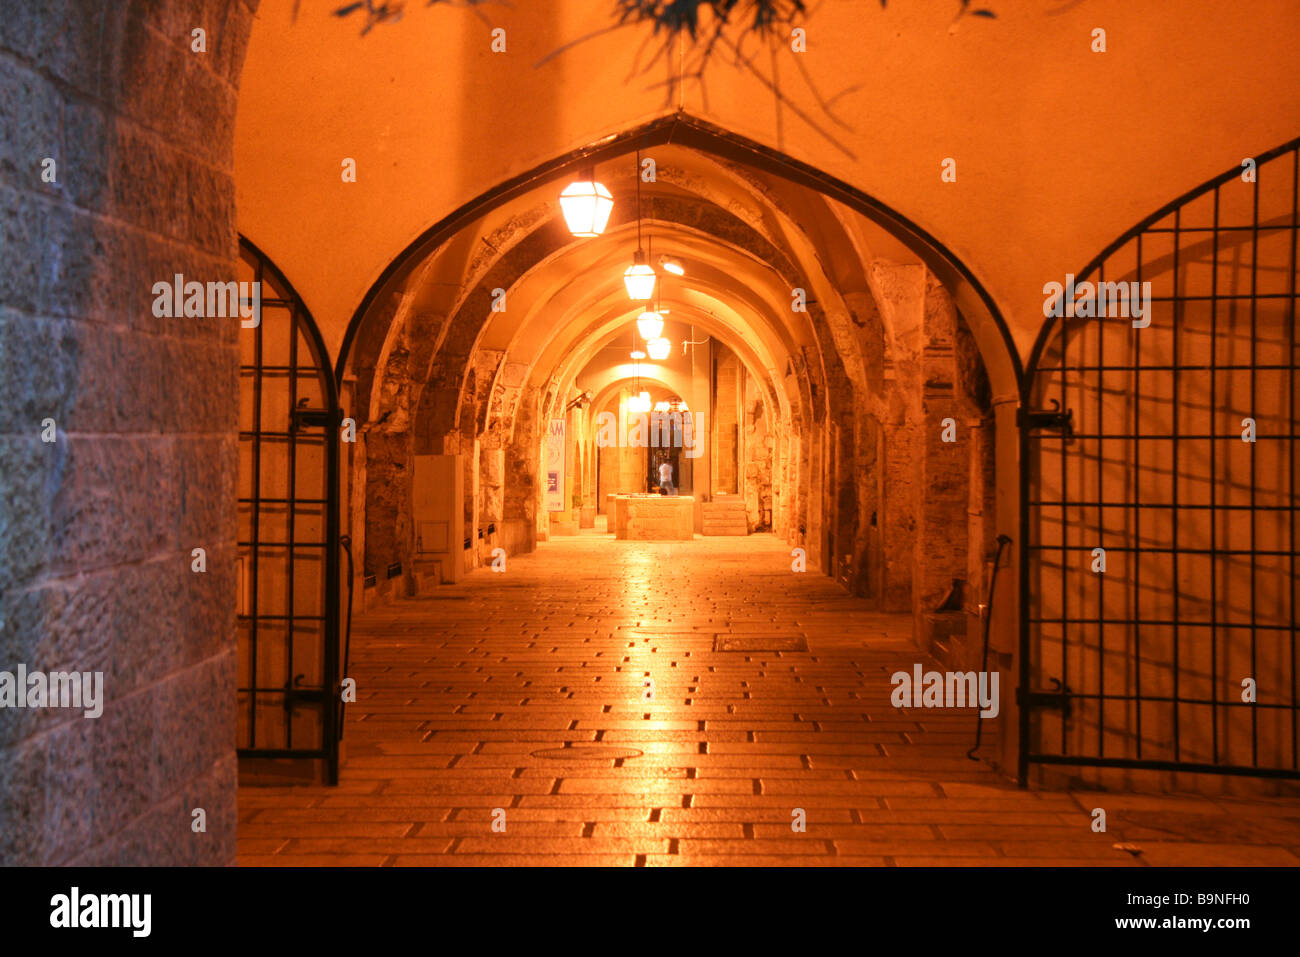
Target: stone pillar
(520, 496)
(473, 463)
(900, 490)
(701, 405)
(899, 291)
(491, 501)
(98, 526)
(758, 445)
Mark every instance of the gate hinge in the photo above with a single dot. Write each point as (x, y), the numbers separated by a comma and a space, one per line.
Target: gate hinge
(313, 419)
(294, 692)
(1058, 698)
(1053, 418)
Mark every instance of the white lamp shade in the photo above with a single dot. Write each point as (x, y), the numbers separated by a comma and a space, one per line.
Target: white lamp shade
(662, 406)
(586, 206)
(639, 403)
(659, 348)
(638, 355)
(650, 325)
(640, 282)
(639, 278)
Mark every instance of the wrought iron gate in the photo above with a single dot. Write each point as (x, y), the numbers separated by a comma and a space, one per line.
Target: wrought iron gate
(1158, 484)
(287, 687)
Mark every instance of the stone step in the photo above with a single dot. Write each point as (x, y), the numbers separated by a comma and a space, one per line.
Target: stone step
(724, 520)
(725, 515)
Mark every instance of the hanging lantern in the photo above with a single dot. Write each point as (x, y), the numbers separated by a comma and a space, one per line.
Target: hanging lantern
(650, 325)
(659, 348)
(637, 355)
(639, 278)
(586, 205)
(639, 403)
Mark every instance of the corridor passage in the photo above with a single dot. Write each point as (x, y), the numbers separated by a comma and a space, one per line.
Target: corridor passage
(520, 697)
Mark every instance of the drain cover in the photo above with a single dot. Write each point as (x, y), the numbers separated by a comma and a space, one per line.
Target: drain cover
(588, 752)
(759, 643)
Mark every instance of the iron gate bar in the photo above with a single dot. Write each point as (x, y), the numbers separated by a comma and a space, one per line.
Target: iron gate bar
(1137, 514)
(1160, 549)
(257, 514)
(1158, 368)
(1254, 592)
(1127, 435)
(271, 617)
(1159, 765)
(1064, 338)
(1182, 505)
(1280, 706)
(292, 510)
(283, 501)
(1214, 487)
(1178, 316)
(1141, 621)
(1211, 229)
(1291, 459)
(286, 545)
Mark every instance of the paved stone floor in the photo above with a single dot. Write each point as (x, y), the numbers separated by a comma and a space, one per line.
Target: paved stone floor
(523, 692)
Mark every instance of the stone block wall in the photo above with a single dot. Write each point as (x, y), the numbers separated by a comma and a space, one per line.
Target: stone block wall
(98, 526)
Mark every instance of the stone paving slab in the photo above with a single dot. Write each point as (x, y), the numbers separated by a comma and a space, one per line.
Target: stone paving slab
(464, 699)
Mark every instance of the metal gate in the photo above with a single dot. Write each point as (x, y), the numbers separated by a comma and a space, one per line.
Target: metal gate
(288, 514)
(1158, 484)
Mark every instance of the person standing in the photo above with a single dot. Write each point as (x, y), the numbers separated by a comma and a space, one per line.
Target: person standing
(666, 478)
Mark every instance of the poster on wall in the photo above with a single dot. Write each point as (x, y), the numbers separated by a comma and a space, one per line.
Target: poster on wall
(554, 467)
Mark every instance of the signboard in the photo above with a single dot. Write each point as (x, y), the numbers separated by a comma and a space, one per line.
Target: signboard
(553, 467)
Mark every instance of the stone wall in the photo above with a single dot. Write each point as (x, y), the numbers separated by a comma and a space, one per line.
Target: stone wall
(98, 526)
